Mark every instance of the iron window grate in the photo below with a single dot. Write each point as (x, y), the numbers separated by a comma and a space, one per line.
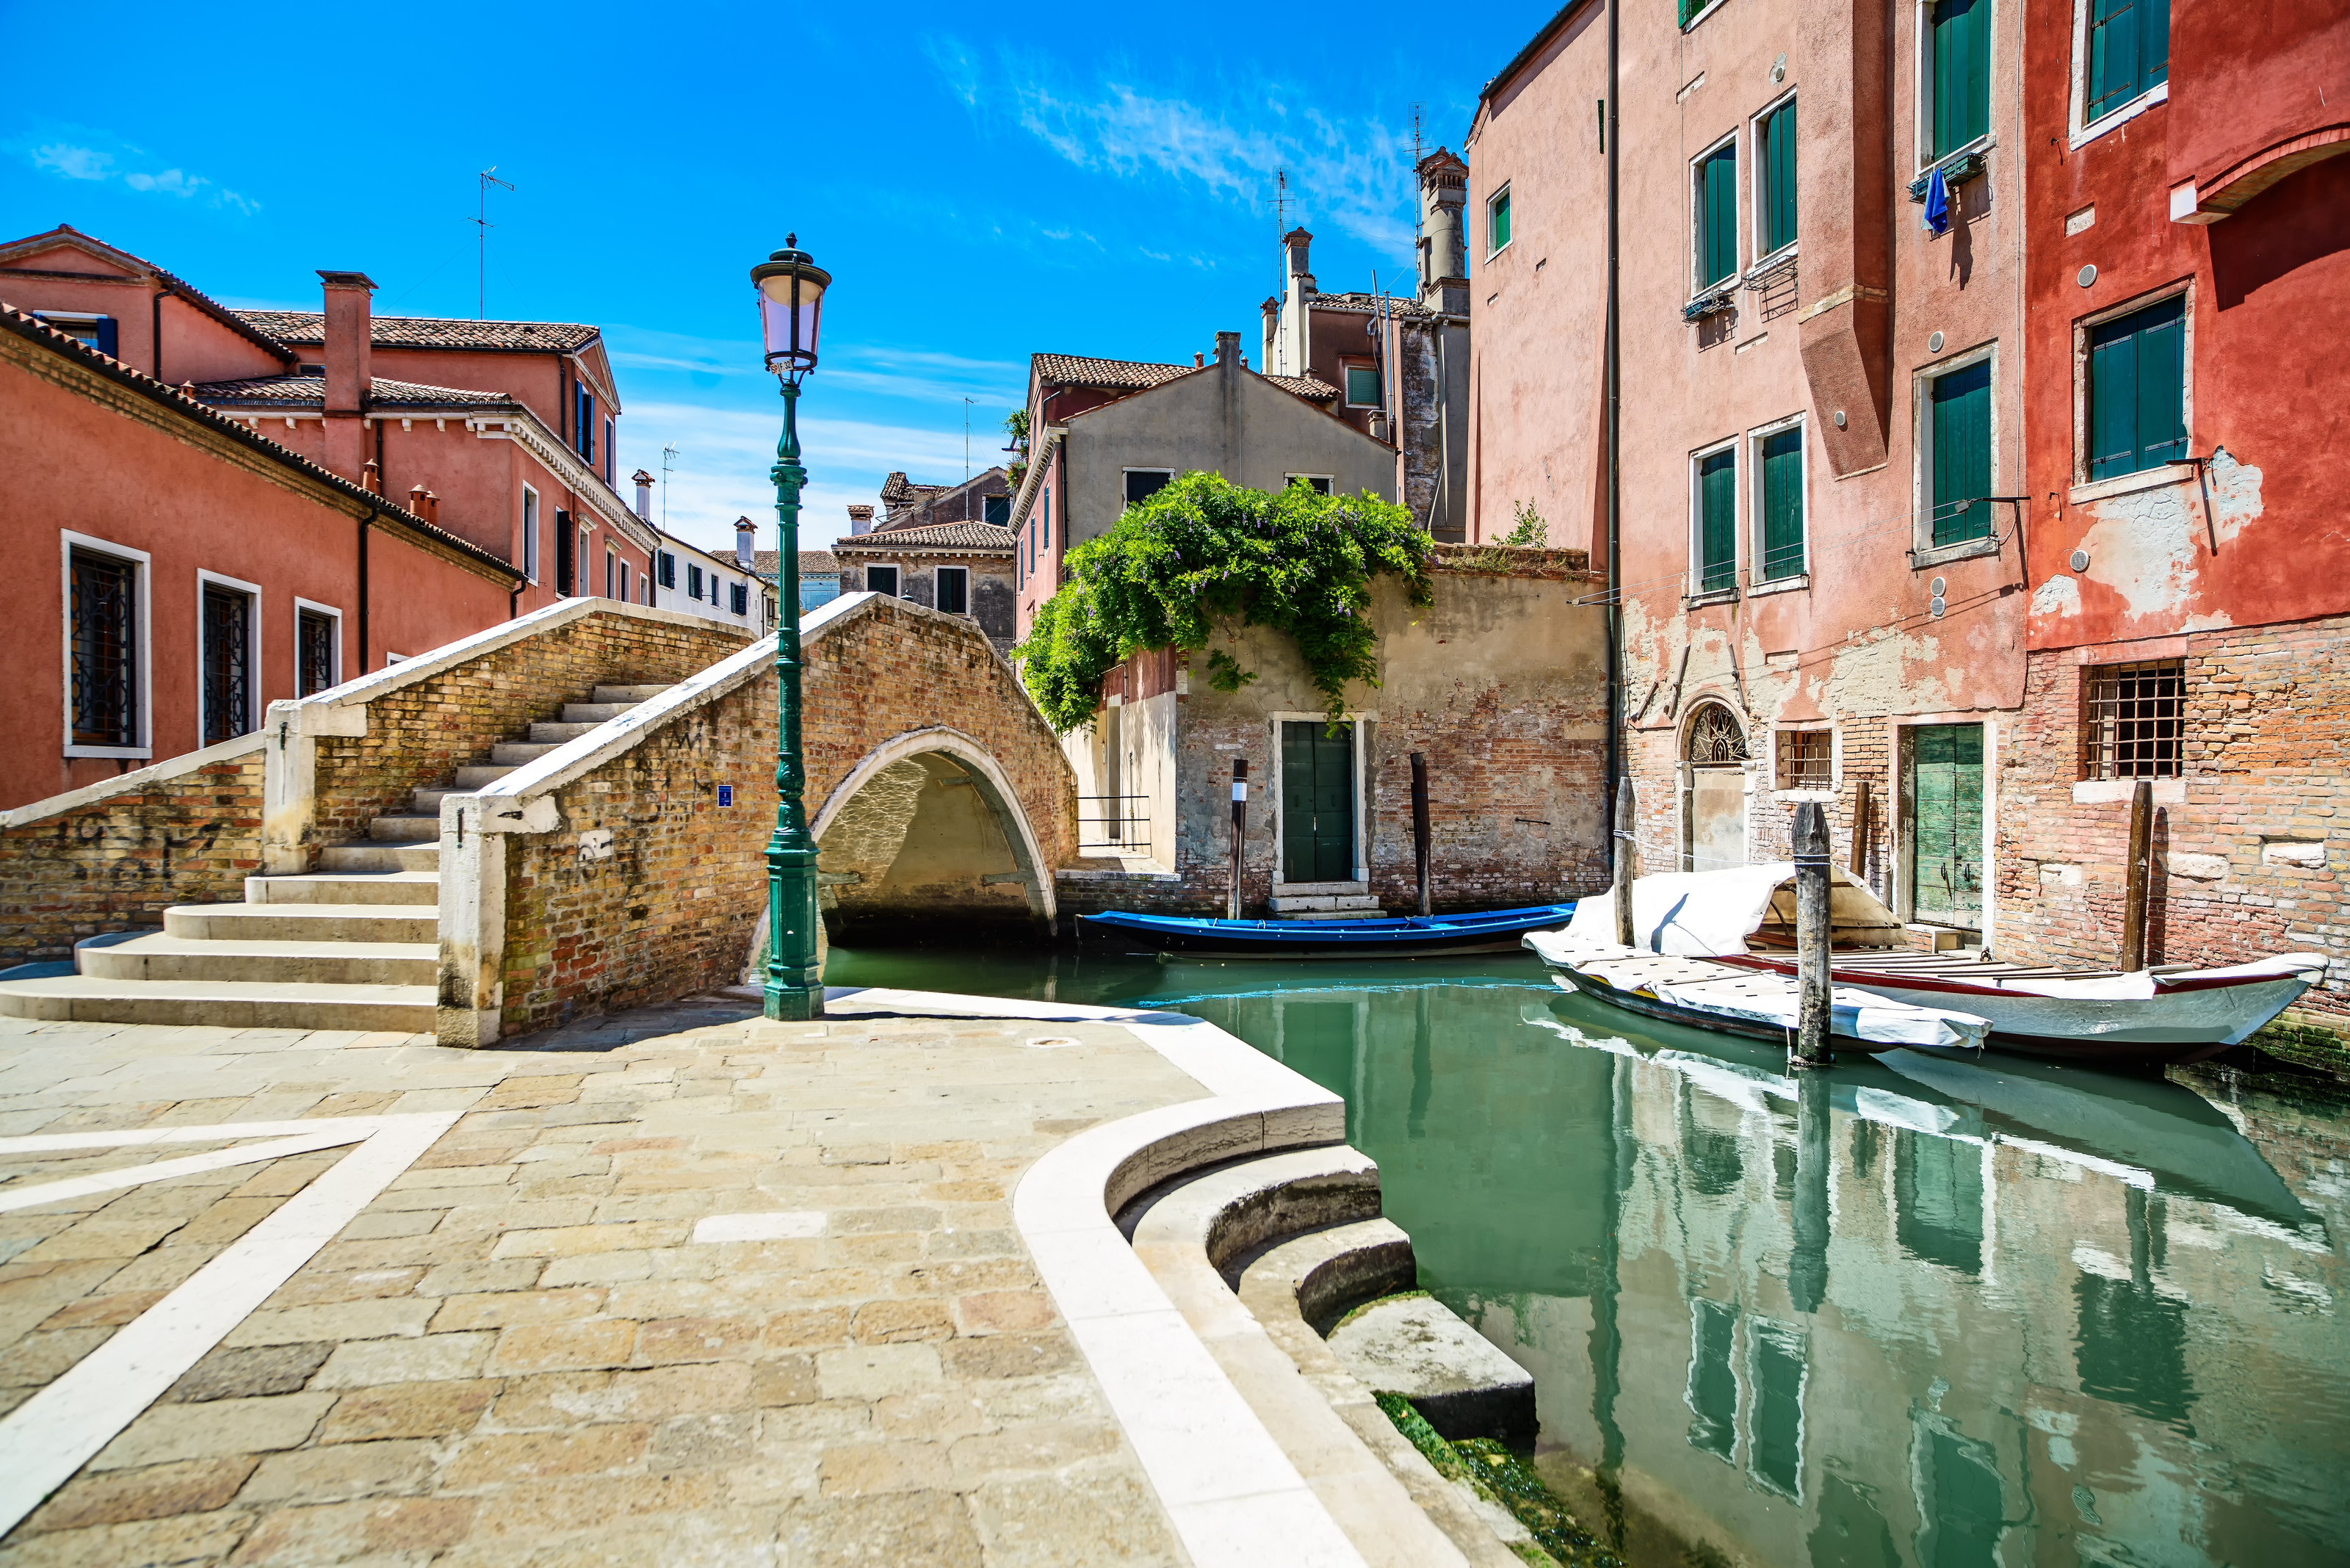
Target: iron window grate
(1805, 758)
(2133, 720)
(105, 651)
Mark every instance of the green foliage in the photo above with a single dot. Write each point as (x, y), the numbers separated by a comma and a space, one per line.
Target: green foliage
(1490, 1469)
(1015, 425)
(1204, 551)
(1532, 532)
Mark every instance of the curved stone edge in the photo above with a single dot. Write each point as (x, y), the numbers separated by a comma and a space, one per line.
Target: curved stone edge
(1234, 1495)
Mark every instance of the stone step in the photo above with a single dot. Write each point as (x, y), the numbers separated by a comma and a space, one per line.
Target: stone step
(1296, 901)
(626, 695)
(513, 753)
(303, 922)
(546, 733)
(222, 1003)
(347, 887)
(388, 856)
(169, 958)
(1373, 913)
(408, 827)
(427, 802)
(480, 775)
(595, 713)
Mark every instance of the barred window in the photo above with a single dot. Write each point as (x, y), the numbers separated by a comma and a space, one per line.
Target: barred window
(105, 650)
(1804, 759)
(2133, 720)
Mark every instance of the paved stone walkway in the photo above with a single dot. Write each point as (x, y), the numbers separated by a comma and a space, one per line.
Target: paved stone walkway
(684, 1286)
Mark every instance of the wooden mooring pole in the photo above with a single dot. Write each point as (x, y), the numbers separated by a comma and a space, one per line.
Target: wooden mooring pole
(1240, 833)
(1419, 825)
(1812, 1046)
(1627, 850)
(1860, 832)
(2141, 857)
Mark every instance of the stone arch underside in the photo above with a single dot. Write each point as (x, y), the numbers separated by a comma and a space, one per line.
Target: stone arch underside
(927, 837)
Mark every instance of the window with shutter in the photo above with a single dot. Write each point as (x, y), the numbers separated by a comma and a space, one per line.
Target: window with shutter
(1781, 457)
(667, 569)
(584, 427)
(1362, 387)
(1959, 73)
(1775, 133)
(1497, 219)
(1958, 458)
(740, 599)
(2138, 390)
(997, 510)
(1142, 484)
(2129, 52)
(530, 533)
(1716, 520)
(693, 582)
(1717, 216)
(954, 590)
(565, 561)
(881, 580)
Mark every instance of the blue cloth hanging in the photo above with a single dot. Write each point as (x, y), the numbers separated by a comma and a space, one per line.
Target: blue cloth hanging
(1937, 205)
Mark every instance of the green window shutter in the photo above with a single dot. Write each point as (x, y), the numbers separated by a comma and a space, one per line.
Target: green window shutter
(1961, 412)
(1778, 154)
(1962, 73)
(2129, 52)
(1783, 505)
(1717, 502)
(2137, 379)
(1717, 238)
(1498, 222)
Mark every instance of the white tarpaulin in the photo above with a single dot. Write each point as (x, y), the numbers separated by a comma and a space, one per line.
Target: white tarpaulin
(1702, 914)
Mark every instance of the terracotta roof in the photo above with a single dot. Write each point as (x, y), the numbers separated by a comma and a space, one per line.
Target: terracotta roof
(278, 391)
(1366, 303)
(1110, 375)
(234, 320)
(812, 564)
(309, 327)
(24, 326)
(934, 535)
(1311, 389)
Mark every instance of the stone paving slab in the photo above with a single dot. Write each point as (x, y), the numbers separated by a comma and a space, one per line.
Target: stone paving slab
(518, 1352)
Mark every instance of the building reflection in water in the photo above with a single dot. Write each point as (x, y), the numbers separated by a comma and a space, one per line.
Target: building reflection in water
(1939, 1311)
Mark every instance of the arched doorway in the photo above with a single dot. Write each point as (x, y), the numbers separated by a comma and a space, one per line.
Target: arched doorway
(1714, 789)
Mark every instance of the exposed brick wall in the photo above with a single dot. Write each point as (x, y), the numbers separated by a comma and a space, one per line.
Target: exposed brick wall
(119, 863)
(2266, 747)
(422, 732)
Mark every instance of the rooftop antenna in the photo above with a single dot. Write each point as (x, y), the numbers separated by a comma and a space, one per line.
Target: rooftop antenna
(482, 227)
(1417, 151)
(669, 462)
(966, 459)
(1280, 249)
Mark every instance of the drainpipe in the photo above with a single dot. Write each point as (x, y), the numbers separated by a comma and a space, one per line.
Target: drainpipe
(370, 517)
(1614, 394)
(156, 326)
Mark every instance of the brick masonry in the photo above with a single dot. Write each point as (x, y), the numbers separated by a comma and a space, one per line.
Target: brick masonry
(117, 864)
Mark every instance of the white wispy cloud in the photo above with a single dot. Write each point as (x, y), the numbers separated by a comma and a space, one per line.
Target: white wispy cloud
(99, 158)
(1351, 172)
(921, 375)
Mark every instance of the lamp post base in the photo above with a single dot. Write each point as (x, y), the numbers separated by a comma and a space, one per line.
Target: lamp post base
(794, 1003)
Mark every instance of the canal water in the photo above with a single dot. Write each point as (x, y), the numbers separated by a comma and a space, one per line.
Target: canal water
(1927, 1309)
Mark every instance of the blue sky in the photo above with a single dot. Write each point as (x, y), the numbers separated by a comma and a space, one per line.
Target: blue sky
(983, 185)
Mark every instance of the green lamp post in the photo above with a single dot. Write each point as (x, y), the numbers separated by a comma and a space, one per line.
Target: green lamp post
(791, 299)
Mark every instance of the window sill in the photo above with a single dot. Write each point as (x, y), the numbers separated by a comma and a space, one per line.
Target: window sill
(2158, 93)
(1796, 797)
(1708, 10)
(1718, 596)
(1497, 250)
(1715, 298)
(140, 753)
(1769, 266)
(1957, 167)
(1943, 555)
(2129, 484)
(2109, 792)
(1800, 582)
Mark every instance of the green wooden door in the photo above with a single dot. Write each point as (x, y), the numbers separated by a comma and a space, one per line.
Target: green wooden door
(1317, 802)
(1946, 803)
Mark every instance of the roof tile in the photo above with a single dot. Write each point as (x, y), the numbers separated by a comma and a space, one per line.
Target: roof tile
(936, 535)
(306, 327)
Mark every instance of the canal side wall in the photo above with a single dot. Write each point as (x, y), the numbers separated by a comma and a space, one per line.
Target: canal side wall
(1500, 683)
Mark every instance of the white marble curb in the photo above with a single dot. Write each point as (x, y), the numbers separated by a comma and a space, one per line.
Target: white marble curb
(1232, 1493)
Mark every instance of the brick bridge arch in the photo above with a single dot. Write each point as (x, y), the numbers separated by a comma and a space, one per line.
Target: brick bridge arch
(936, 790)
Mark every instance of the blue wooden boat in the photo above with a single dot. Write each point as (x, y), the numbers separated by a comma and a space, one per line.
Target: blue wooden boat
(1411, 935)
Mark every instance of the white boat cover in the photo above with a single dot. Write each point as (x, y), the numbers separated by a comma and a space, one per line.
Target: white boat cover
(1704, 914)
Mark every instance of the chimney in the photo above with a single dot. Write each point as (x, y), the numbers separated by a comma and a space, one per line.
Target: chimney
(1444, 248)
(745, 531)
(371, 477)
(349, 371)
(1271, 324)
(1295, 243)
(644, 494)
(424, 504)
(1197, 359)
(860, 519)
(1228, 348)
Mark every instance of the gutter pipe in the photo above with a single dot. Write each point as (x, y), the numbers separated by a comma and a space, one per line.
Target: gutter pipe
(1615, 399)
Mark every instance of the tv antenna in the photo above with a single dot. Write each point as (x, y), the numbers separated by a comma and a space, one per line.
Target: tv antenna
(1418, 152)
(669, 462)
(481, 227)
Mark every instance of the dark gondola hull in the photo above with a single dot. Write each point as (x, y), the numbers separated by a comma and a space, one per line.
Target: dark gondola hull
(1436, 935)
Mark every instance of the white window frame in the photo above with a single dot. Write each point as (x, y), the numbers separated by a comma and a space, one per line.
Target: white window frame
(1346, 374)
(1755, 192)
(898, 592)
(580, 587)
(1922, 65)
(939, 576)
(611, 557)
(2082, 488)
(1755, 512)
(1123, 475)
(1497, 199)
(531, 508)
(1697, 211)
(1329, 480)
(1697, 593)
(1835, 761)
(253, 698)
(1924, 552)
(2083, 130)
(143, 663)
(331, 613)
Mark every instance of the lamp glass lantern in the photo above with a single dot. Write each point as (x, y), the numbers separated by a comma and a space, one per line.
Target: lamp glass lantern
(790, 306)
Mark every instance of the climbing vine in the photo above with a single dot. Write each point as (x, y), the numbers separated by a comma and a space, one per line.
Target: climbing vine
(1204, 553)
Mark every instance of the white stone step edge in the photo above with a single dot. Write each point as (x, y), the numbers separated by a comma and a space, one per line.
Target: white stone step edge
(1227, 1485)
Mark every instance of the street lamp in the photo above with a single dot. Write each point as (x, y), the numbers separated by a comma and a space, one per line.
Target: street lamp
(791, 298)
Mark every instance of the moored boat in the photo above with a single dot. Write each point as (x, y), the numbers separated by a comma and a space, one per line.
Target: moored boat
(1412, 936)
(1745, 918)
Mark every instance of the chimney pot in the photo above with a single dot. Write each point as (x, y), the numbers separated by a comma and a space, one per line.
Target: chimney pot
(371, 477)
(424, 504)
(644, 483)
(745, 534)
(1197, 359)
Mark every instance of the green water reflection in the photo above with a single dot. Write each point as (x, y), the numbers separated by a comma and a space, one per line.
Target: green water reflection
(1925, 1310)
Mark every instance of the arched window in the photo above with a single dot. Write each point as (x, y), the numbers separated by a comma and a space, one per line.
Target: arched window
(1715, 737)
